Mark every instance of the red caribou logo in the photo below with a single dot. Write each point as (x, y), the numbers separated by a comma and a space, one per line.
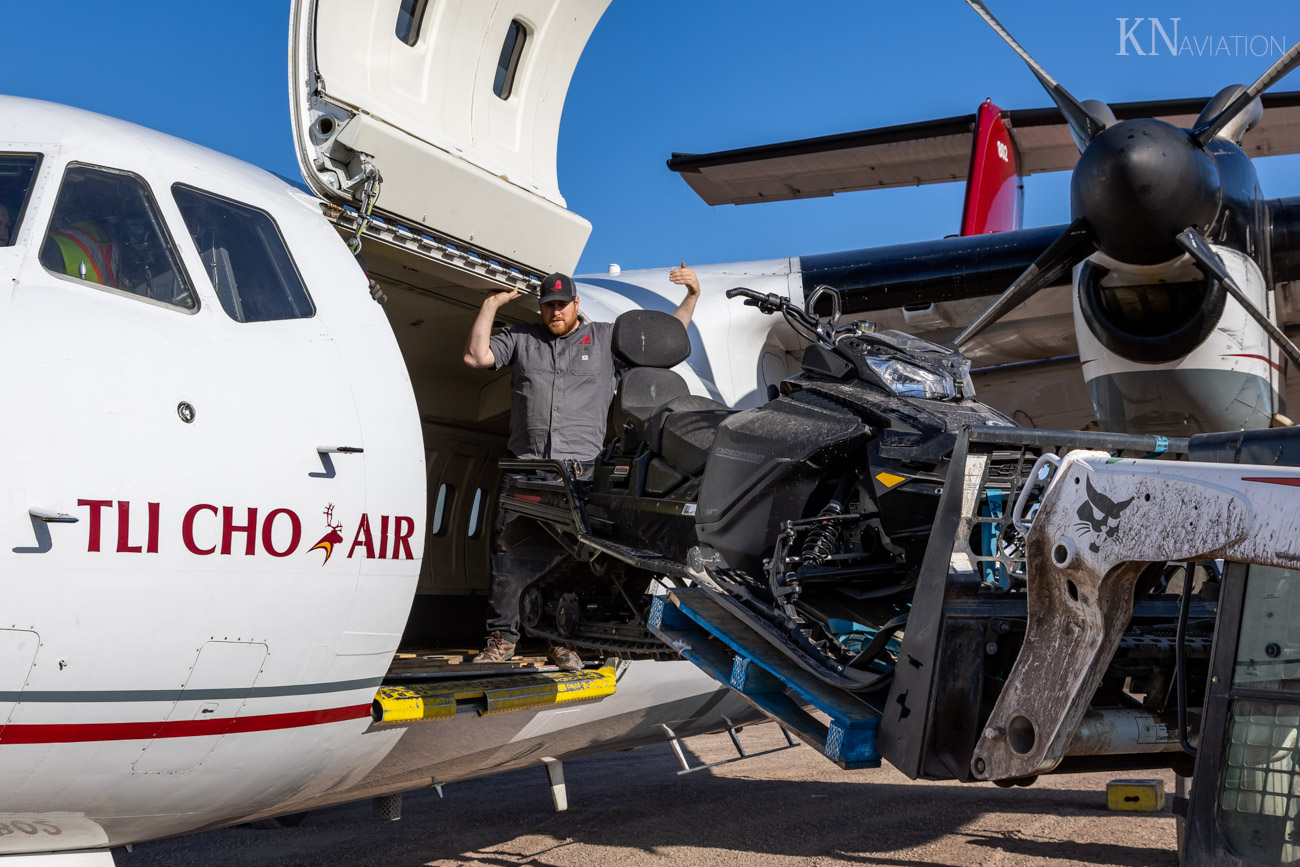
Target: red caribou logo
(205, 529)
(330, 539)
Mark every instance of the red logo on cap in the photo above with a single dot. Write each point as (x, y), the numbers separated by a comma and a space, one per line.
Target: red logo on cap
(558, 287)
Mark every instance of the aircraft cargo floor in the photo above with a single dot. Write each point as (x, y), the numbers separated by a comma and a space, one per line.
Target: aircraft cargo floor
(435, 663)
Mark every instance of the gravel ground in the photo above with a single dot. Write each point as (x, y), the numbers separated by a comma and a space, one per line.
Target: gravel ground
(630, 809)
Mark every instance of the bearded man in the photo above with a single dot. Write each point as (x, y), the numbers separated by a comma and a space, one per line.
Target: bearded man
(561, 385)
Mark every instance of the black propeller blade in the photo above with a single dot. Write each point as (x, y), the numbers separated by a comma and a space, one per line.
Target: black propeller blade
(1204, 132)
(1212, 266)
(1069, 249)
(1084, 124)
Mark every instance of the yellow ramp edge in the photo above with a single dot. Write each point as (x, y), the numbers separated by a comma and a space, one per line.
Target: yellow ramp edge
(429, 701)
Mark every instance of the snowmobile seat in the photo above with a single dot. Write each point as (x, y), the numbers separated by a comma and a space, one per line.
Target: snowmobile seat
(684, 429)
(649, 342)
(642, 391)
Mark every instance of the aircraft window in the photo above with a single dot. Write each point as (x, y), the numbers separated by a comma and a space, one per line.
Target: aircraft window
(508, 64)
(106, 230)
(16, 174)
(245, 257)
(474, 513)
(440, 508)
(409, 17)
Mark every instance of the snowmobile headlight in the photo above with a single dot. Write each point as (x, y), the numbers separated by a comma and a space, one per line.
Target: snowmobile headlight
(910, 380)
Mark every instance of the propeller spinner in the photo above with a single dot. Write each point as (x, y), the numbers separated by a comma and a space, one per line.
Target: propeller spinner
(1138, 184)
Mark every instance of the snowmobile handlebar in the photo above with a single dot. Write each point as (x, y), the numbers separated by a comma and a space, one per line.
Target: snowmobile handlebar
(801, 320)
(768, 302)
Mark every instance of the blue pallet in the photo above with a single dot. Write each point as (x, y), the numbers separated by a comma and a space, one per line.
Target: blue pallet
(732, 653)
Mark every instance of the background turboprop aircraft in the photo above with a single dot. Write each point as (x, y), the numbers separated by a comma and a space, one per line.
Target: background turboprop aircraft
(1170, 337)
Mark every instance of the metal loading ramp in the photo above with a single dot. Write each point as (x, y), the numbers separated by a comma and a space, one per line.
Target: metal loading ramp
(489, 695)
(733, 654)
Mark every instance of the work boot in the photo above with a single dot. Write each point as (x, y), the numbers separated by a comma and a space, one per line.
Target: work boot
(564, 658)
(497, 649)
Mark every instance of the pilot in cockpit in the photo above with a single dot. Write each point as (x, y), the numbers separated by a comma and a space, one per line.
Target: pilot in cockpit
(80, 243)
(85, 250)
(106, 230)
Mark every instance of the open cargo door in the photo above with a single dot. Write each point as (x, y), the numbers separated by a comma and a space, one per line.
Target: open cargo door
(457, 105)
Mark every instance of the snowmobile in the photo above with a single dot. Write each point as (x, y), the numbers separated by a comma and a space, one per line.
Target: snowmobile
(863, 537)
(809, 514)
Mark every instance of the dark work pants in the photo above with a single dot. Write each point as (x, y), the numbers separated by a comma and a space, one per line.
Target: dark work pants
(521, 552)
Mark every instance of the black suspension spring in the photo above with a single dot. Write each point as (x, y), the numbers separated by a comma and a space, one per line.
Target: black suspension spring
(821, 539)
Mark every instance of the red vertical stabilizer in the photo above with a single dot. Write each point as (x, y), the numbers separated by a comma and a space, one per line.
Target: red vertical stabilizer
(993, 189)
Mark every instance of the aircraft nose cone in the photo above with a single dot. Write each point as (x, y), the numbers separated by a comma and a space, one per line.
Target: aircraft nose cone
(1138, 184)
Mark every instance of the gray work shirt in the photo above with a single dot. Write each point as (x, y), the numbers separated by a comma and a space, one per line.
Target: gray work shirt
(560, 388)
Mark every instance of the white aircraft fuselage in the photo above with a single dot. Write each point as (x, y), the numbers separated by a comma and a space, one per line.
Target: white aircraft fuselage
(185, 647)
(215, 526)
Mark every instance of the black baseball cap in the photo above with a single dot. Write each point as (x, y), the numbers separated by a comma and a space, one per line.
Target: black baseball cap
(556, 287)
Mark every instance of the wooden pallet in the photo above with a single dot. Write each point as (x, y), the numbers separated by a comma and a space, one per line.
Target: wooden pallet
(731, 652)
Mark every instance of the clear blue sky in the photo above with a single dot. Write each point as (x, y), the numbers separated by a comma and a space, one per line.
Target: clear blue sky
(682, 75)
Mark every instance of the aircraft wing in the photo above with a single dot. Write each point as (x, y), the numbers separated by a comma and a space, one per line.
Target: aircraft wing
(936, 151)
(927, 272)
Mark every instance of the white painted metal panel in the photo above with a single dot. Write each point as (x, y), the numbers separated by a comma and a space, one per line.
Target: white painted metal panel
(222, 676)
(17, 653)
(456, 158)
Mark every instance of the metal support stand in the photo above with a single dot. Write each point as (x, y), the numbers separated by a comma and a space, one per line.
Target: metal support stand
(676, 743)
(387, 808)
(555, 774)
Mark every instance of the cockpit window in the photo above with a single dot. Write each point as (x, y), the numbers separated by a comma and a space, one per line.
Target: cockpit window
(106, 230)
(16, 174)
(245, 258)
